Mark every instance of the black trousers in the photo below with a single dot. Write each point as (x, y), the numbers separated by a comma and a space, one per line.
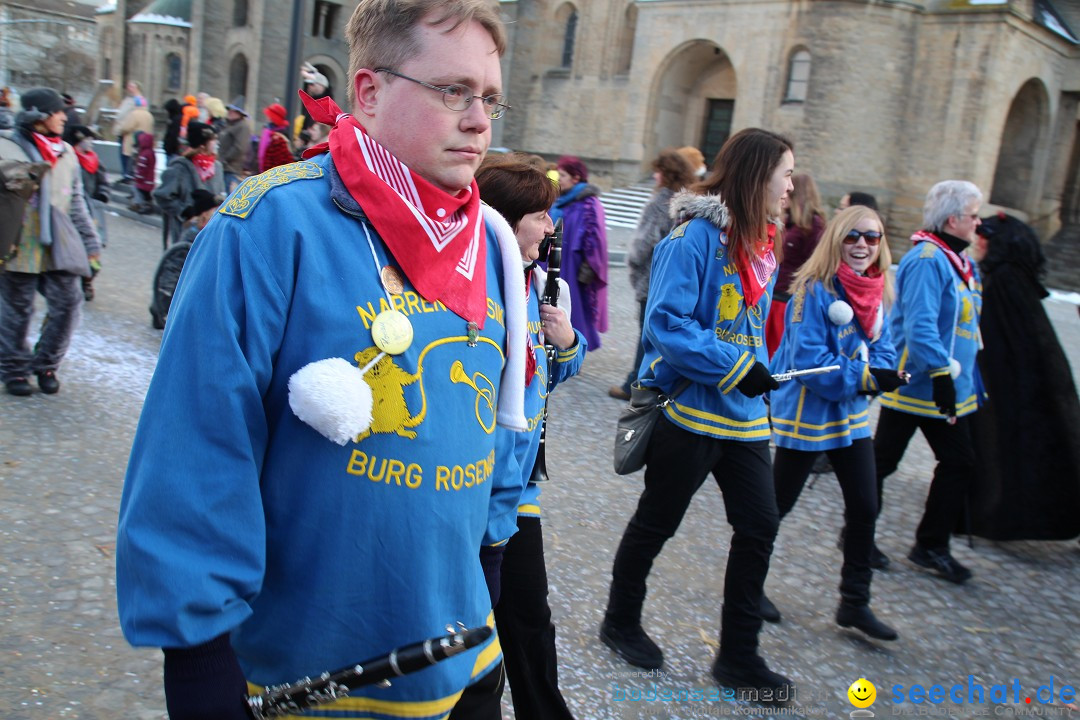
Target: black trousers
(527, 635)
(854, 467)
(483, 699)
(640, 354)
(953, 475)
(678, 461)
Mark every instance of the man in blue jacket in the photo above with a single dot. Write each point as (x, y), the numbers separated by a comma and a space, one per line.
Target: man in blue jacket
(268, 531)
(935, 326)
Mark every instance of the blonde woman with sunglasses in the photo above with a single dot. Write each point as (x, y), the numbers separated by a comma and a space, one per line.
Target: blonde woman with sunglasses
(836, 316)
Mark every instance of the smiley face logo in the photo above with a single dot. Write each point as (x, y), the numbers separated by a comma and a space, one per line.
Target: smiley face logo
(862, 693)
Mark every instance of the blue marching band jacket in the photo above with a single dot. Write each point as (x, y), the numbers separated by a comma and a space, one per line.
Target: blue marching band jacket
(829, 410)
(935, 321)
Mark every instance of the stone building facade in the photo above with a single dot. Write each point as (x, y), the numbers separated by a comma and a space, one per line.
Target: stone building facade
(884, 96)
(48, 42)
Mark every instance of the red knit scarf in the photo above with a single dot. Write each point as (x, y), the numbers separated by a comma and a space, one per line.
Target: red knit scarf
(204, 165)
(50, 147)
(438, 238)
(88, 159)
(863, 295)
(962, 263)
(756, 273)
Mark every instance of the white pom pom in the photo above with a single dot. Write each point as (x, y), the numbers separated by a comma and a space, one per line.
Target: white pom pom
(954, 368)
(331, 396)
(840, 313)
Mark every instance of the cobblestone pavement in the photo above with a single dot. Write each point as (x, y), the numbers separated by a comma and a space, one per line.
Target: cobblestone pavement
(61, 467)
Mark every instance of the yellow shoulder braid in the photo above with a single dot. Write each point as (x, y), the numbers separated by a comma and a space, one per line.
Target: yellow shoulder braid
(679, 231)
(247, 196)
(928, 250)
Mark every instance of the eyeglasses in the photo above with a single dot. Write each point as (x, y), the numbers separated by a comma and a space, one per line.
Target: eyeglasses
(872, 237)
(459, 97)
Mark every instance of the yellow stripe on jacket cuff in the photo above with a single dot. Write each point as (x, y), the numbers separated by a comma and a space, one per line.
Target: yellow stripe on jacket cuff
(738, 372)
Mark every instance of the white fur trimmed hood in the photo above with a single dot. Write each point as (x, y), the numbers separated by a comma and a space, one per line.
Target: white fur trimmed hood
(687, 205)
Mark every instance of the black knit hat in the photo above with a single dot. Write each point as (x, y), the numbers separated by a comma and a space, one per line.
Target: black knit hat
(199, 133)
(75, 134)
(39, 103)
(201, 201)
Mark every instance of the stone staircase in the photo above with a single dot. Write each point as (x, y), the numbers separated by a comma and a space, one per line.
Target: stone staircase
(622, 206)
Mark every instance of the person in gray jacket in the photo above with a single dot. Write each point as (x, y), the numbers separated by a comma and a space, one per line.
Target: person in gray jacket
(196, 167)
(57, 245)
(672, 172)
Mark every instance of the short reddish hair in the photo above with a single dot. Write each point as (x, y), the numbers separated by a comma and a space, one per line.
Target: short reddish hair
(514, 187)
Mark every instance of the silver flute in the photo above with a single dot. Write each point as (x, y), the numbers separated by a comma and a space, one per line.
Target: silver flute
(790, 374)
(278, 700)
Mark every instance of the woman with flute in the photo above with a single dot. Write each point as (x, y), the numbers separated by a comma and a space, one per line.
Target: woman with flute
(523, 195)
(712, 280)
(836, 316)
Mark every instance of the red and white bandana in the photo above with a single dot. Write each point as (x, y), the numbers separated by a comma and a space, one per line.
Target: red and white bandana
(961, 263)
(438, 238)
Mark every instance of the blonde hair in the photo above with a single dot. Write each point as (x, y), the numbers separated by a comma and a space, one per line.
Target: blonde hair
(381, 33)
(825, 261)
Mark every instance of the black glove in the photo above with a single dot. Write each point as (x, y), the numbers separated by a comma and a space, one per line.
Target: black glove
(205, 682)
(945, 395)
(585, 274)
(491, 557)
(758, 381)
(887, 379)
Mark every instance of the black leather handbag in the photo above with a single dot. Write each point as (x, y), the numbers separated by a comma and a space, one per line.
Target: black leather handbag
(636, 423)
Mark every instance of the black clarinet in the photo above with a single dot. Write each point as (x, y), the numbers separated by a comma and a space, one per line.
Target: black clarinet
(290, 699)
(550, 297)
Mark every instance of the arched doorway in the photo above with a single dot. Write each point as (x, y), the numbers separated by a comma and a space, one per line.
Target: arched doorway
(692, 100)
(1022, 159)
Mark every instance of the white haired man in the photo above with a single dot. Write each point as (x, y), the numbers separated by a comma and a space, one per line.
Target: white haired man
(935, 325)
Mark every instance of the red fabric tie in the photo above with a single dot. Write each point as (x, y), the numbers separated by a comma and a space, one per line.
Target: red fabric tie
(961, 263)
(755, 272)
(530, 355)
(51, 148)
(89, 160)
(204, 164)
(863, 294)
(438, 238)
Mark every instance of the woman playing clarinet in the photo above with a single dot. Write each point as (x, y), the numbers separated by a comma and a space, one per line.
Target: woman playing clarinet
(523, 195)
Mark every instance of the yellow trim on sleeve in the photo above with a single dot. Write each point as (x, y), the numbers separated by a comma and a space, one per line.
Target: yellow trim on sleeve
(738, 378)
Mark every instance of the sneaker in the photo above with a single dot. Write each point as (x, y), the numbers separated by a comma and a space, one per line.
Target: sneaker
(940, 561)
(769, 612)
(753, 681)
(48, 383)
(618, 393)
(632, 645)
(861, 617)
(19, 386)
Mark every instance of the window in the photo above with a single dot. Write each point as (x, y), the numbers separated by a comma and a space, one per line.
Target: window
(798, 77)
(240, 13)
(238, 76)
(717, 126)
(324, 20)
(173, 67)
(626, 45)
(568, 39)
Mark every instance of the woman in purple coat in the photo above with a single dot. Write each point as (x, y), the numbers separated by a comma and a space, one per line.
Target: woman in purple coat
(584, 248)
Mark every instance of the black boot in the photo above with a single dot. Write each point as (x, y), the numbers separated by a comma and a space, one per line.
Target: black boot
(632, 645)
(753, 680)
(861, 617)
(878, 559)
(769, 612)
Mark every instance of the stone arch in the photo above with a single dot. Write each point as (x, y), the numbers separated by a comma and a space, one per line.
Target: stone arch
(238, 75)
(1021, 157)
(694, 84)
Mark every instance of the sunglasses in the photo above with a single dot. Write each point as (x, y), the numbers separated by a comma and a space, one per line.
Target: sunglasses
(872, 237)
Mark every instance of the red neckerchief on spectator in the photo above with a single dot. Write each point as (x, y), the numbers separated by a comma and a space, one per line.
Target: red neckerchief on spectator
(530, 355)
(863, 294)
(50, 147)
(756, 273)
(88, 159)
(438, 238)
(962, 263)
(204, 164)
